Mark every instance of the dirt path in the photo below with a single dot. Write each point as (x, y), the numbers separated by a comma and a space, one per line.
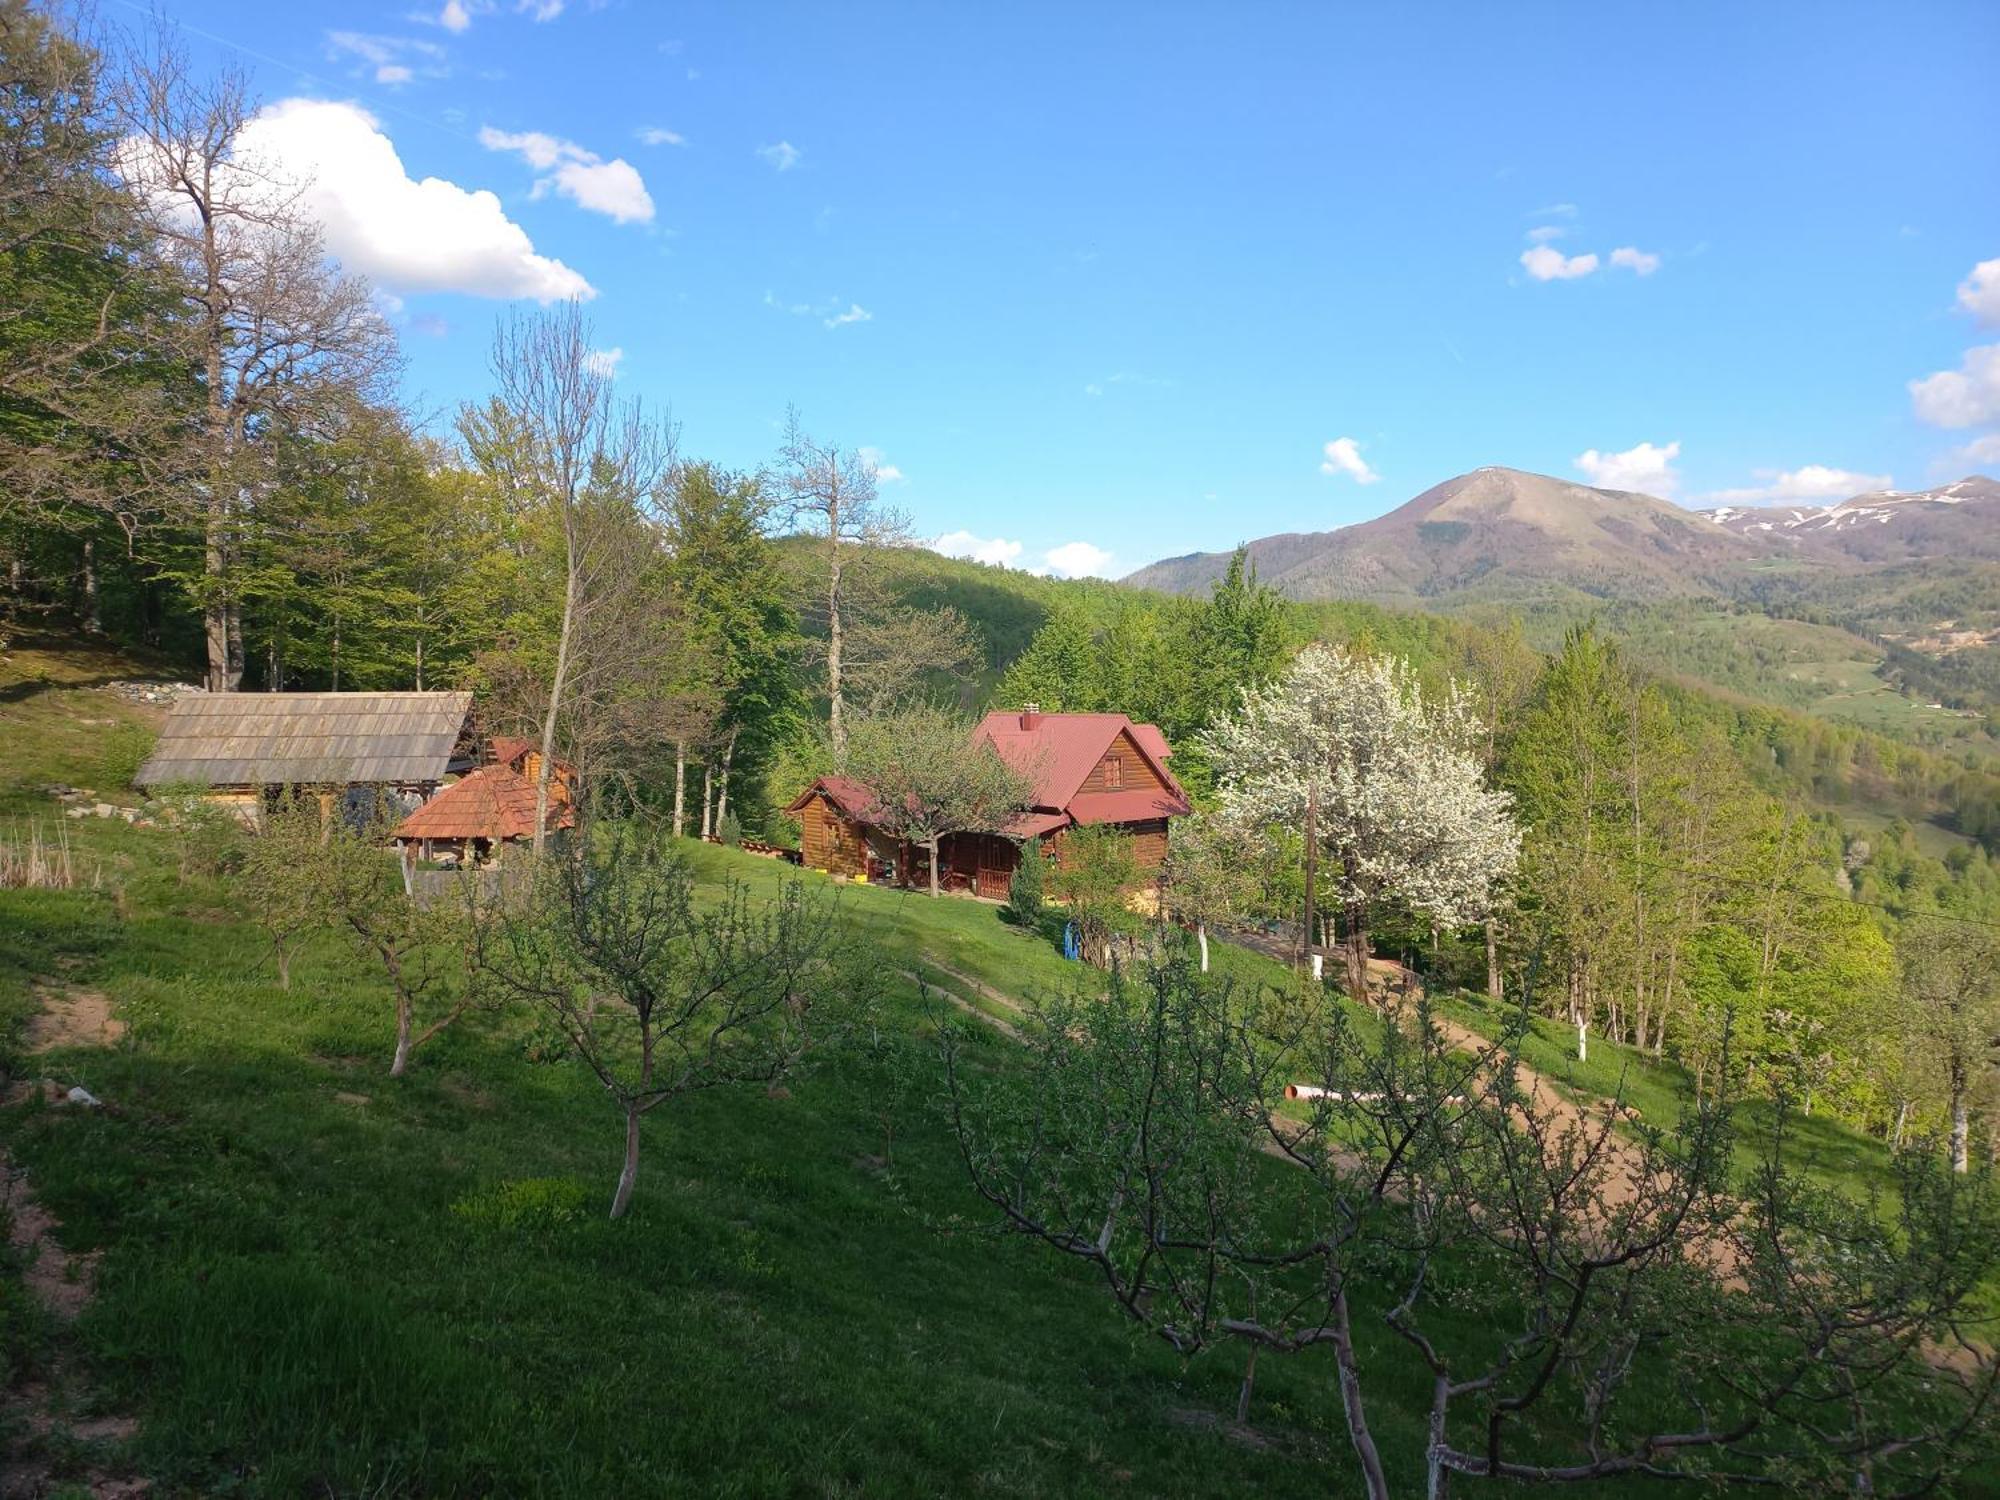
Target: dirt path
(984, 991)
(64, 1453)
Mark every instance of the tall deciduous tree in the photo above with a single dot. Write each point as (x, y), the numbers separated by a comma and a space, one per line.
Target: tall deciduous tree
(1952, 982)
(589, 466)
(280, 338)
(1210, 874)
(1385, 783)
(830, 494)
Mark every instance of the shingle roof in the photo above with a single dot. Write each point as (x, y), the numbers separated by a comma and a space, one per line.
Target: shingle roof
(494, 802)
(849, 795)
(265, 739)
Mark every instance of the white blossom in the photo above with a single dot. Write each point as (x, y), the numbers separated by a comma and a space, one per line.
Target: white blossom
(1401, 803)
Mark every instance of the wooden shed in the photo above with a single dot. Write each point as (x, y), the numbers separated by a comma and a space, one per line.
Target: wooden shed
(236, 746)
(475, 816)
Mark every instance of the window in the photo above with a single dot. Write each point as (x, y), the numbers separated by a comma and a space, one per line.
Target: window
(1114, 771)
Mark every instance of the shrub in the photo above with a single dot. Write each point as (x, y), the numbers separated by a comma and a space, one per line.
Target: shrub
(1024, 892)
(729, 830)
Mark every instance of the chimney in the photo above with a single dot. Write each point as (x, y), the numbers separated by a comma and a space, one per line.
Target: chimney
(1031, 716)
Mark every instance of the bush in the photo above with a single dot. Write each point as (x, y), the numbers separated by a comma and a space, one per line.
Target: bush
(1024, 892)
(729, 830)
(125, 750)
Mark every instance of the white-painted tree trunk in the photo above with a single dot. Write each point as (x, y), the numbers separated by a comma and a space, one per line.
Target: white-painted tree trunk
(1201, 938)
(1583, 1039)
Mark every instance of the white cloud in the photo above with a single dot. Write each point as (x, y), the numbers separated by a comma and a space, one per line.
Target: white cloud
(1979, 293)
(1555, 211)
(997, 550)
(1647, 469)
(1812, 482)
(1077, 560)
(855, 313)
(1541, 234)
(540, 10)
(783, 156)
(1093, 389)
(884, 471)
(1546, 263)
(1644, 262)
(653, 135)
(613, 188)
(1343, 456)
(403, 234)
(394, 60)
(455, 17)
(604, 361)
(1981, 450)
(1966, 397)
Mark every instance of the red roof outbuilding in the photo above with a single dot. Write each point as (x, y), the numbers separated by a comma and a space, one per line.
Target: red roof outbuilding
(495, 802)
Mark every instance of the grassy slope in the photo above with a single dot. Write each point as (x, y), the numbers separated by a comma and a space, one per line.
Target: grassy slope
(291, 1303)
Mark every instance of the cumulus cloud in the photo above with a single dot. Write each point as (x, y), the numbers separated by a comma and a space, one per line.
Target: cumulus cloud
(1966, 397)
(1643, 262)
(1343, 456)
(996, 550)
(455, 17)
(855, 313)
(1979, 293)
(653, 135)
(1811, 482)
(612, 188)
(781, 157)
(1541, 234)
(604, 361)
(1546, 263)
(1646, 468)
(1077, 560)
(403, 234)
(884, 471)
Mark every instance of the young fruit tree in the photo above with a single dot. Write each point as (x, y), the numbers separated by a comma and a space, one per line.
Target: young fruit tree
(1384, 783)
(429, 951)
(1580, 1296)
(930, 781)
(280, 873)
(1210, 874)
(661, 996)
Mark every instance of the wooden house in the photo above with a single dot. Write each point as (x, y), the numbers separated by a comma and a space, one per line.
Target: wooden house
(473, 818)
(239, 747)
(1087, 770)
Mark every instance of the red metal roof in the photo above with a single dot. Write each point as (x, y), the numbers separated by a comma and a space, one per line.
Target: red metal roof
(1135, 806)
(511, 749)
(1035, 824)
(1060, 750)
(847, 794)
(494, 802)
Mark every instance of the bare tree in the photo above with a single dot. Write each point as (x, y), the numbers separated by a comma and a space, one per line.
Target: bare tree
(590, 465)
(660, 998)
(277, 333)
(1584, 1297)
(830, 493)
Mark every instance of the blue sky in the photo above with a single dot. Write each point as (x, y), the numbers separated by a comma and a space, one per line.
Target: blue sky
(1112, 279)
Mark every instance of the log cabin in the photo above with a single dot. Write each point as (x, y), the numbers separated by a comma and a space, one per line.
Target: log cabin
(1087, 771)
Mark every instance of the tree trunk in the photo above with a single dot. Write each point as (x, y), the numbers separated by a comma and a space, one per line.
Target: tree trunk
(1306, 918)
(1357, 951)
(931, 845)
(707, 800)
(402, 1060)
(722, 784)
(836, 719)
(1494, 989)
(1249, 1381)
(1201, 939)
(1961, 1130)
(680, 787)
(556, 683)
(1582, 1038)
(284, 953)
(621, 1199)
(91, 621)
(1902, 1119)
(1350, 1403)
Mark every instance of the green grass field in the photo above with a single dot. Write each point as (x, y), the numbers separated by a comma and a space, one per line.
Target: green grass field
(318, 1280)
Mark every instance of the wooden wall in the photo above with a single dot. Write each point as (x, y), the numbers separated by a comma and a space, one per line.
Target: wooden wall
(830, 841)
(1137, 773)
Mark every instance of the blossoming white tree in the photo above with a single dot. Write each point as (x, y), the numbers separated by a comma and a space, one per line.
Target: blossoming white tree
(1385, 784)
